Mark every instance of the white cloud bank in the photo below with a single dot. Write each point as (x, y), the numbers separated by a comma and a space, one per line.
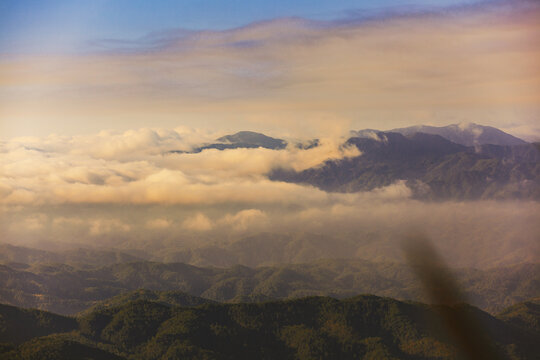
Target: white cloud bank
(136, 167)
(474, 63)
(126, 190)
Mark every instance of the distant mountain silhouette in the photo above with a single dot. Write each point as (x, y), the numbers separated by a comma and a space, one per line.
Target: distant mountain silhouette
(465, 134)
(254, 139)
(244, 139)
(433, 167)
(18, 256)
(459, 161)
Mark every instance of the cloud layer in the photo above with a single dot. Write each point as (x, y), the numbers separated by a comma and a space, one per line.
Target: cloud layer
(475, 64)
(285, 77)
(137, 167)
(126, 190)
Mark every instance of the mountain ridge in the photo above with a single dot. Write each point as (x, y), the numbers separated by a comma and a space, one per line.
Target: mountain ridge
(69, 290)
(433, 167)
(467, 134)
(363, 326)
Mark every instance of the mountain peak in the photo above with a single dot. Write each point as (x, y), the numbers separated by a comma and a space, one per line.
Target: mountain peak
(466, 133)
(251, 138)
(465, 125)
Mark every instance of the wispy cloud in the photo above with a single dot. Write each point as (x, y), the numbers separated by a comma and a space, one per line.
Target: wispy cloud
(474, 63)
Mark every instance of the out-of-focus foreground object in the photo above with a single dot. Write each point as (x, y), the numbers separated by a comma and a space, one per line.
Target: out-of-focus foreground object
(442, 290)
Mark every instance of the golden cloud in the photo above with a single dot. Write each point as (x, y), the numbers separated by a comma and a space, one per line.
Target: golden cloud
(477, 65)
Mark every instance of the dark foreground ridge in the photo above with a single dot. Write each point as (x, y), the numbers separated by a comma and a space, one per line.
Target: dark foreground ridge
(363, 327)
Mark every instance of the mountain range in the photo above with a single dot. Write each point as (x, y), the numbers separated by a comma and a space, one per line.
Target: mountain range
(467, 134)
(459, 161)
(295, 294)
(362, 327)
(68, 289)
(149, 310)
(433, 167)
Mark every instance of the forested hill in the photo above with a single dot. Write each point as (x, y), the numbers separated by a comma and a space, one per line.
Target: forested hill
(68, 289)
(363, 327)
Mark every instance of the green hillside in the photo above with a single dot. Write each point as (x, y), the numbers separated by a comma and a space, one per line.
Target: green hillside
(363, 327)
(177, 298)
(57, 347)
(18, 325)
(68, 290)
(524, 315)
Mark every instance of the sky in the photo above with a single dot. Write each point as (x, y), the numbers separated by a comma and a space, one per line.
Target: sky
(79, 67)
(31, 26)
(94, 96)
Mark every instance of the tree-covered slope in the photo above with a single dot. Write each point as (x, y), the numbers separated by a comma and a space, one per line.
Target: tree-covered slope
(19, 256)
(56, 347)
(18, 325)
(363, 327)
(177, 298)
(67, 290)
(524, 315)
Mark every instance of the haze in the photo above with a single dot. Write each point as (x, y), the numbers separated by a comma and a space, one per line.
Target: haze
(111, 131)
